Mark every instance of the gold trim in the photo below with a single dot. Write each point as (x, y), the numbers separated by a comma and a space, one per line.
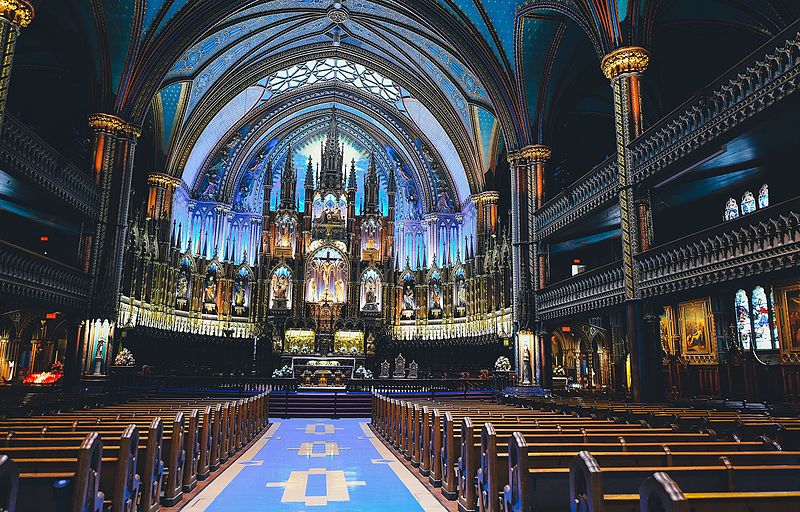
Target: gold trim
(790, 351)
(113, 124)
(535, 152)
(628, 59)
(163, 180)
(18, 12)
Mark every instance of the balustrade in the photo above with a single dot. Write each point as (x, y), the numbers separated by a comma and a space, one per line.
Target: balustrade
(595, 189)
(760, 242)
(26, 274)
(760, 80)
(25, 153)
(598, 288)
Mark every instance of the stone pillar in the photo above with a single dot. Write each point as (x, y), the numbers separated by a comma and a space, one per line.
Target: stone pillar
(14, 15)
(527, 194)
(114, 147)
(624, 68)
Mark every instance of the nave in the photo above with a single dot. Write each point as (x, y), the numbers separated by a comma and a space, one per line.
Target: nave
(417, 452)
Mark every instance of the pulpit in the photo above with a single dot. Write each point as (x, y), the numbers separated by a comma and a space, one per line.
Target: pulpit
(412, 370)
(400, 367)
(384, 370)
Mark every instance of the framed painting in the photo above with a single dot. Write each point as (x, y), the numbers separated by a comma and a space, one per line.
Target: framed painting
(788, 308)
(696, 328)
(667, 323)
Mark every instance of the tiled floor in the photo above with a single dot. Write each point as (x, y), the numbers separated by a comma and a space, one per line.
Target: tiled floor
(318, 464)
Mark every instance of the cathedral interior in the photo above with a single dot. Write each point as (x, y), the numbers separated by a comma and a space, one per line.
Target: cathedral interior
(587, 200)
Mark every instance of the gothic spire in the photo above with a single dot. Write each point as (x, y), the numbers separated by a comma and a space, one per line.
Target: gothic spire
(371, 186)
(288, 182)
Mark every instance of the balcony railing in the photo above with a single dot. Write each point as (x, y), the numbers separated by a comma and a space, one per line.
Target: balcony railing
(764, 241)
(756, 83)
(26, 154)
(26, 274)
(594, 189)
(595, 289)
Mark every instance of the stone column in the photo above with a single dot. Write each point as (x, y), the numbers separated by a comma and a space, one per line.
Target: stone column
(114, 147)
(14, 15)
(624, 68)
(527, 195)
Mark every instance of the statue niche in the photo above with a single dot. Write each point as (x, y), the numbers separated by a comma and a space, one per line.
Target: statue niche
(241, 292)
(435, 296)
(280, 291)
(183, 285)
(409, 309)
(326, 277)
(210, 289)
(371, 291)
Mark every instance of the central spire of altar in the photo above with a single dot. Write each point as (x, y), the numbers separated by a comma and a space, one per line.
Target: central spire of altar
(331, 174)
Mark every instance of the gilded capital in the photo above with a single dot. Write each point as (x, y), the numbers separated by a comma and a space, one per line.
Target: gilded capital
(628, 59)
(114, 125)
(535, 153)
(158, 179)
(18, 12)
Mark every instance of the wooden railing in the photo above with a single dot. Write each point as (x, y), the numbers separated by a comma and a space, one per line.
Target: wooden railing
(760, 242)
(598, 288)
(24, 153)
(27, 274)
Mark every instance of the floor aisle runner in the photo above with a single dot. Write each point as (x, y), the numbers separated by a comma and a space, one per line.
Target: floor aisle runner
(316, 464)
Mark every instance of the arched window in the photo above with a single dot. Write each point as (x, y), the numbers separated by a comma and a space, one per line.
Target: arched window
(743, 318)
(762, 334)
(731, 210)
(763, 196)
(755, 319)
(748, 203)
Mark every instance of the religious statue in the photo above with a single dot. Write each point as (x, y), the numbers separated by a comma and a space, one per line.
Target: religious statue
(312, 289)
(280, 287)
(370, 292)
(339, 290)
(436, 297)
(211, 288)
(238, 294)
(284, 239)
(462, 294)
(408, 298)
(182, 287)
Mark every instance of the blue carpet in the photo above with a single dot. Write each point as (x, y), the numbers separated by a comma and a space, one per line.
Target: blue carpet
(357, 479)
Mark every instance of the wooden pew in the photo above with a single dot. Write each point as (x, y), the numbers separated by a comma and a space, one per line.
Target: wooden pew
(595, 489)
(119, 479)
(661, 493)
(75, 487)
(9, 483)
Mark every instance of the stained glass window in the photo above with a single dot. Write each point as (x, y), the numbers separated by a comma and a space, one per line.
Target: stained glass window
(743, 318)
(761, 332)
(325, 70)
(748, 203)
(774, 319)
(763, 196)
(731, 209)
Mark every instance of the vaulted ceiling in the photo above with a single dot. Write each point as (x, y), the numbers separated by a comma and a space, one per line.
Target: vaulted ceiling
(483, 74)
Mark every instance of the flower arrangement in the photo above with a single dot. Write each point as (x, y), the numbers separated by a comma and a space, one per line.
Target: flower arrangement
(57, 367)
(502, 364)
(363, 373)
(558, 371)
(282, 373)
(124, 358)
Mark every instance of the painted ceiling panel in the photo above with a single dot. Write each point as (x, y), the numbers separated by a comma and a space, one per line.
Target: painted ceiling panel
(485, 127)
(170, 98)
(176, 6)
(119, 21)
(223, 121)
(439, 138)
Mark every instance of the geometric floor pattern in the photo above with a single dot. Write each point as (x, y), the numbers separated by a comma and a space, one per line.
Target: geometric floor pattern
(316, 465)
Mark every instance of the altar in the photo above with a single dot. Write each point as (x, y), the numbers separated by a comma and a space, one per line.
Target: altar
(323, 373)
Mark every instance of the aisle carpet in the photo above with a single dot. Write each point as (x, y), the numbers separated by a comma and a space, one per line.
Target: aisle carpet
(316, 464)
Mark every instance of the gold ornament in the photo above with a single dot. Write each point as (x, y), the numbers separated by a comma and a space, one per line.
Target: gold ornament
(628, 59)
(113, 124)
(535, 152)
(18, 12)
(163, 180)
